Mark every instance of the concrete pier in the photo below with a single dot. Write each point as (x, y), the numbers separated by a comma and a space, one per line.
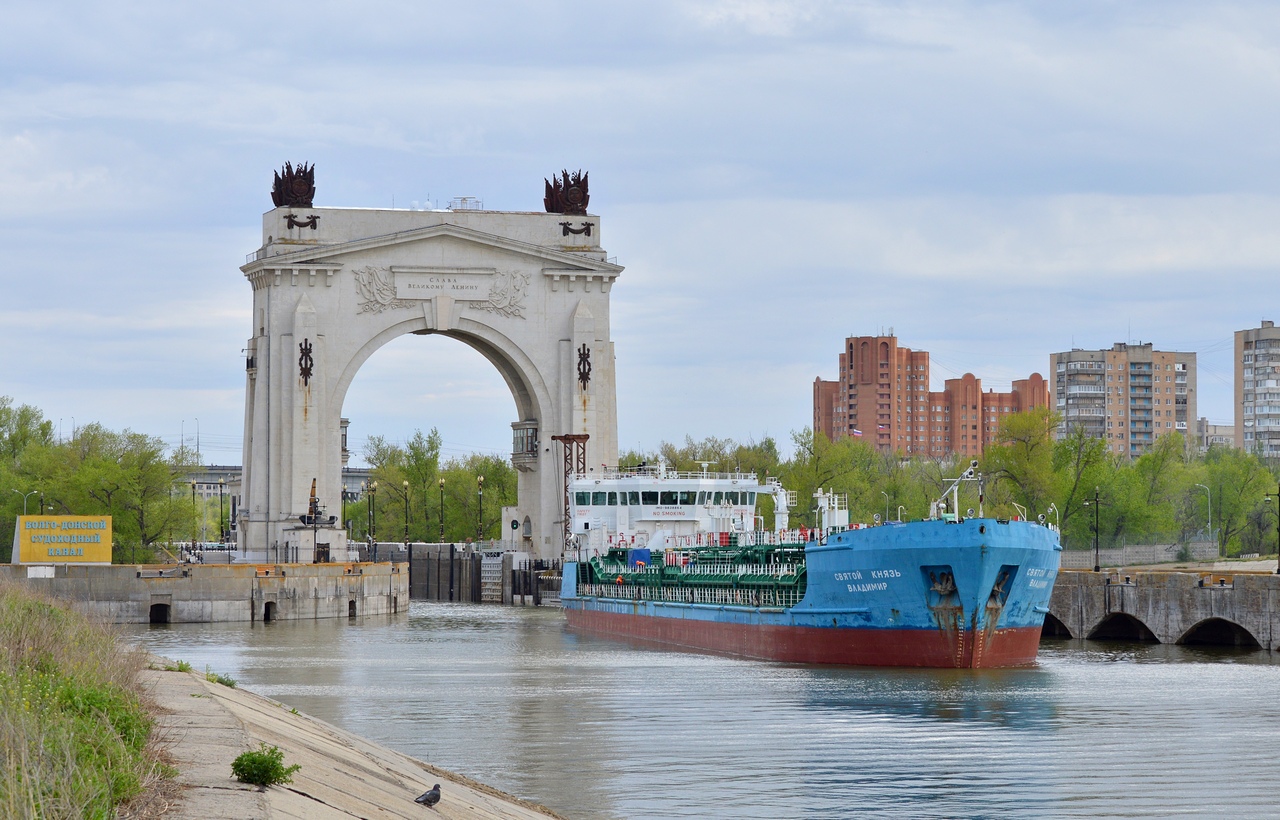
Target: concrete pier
(205, 725)
(207, 593)
(1206, 607)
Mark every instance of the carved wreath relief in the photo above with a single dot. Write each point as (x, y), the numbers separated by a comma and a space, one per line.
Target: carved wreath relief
(377, 290)
(506, 295)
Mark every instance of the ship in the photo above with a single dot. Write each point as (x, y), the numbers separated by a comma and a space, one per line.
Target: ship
(678, 559)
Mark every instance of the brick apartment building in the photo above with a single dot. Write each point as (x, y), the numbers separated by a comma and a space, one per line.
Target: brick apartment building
(883, 397)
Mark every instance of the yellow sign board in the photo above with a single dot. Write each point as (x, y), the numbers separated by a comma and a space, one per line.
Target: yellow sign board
(62, 539)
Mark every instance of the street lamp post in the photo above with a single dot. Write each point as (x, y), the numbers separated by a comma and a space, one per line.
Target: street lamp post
(25, 496)
(441, 509)
(406, 514)
(1268, 500)
(1210, 495)
(222, 530)
(900, 509)
(1096, 502)
(373, 519)
(195, 519)
(480, 509)
(886, 505)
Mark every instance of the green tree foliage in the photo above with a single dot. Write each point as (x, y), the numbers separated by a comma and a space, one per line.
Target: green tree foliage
(408, 476)
(126, 475)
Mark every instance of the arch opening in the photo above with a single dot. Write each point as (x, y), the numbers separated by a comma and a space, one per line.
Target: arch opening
(1219, 632)
(268, 612)
(159, 614)
(351, 609)
(1054, 628)
(1121, 626)
(420, 381)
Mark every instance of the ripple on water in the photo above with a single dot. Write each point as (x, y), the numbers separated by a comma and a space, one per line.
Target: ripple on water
(604, 729)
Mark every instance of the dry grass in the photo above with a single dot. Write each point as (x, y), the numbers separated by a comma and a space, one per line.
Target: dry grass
(74, 722)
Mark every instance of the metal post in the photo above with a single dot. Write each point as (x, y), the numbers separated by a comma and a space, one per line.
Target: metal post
(1210, 494)
(480, 509)
(373, 520)
(886, 505)
(222, 530)
(1268, 501)
(1097, 567)
(193, 514)
(406, 514)
(442, 510)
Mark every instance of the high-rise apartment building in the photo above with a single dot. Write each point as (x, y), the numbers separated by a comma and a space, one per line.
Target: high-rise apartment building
(1257, 356)
(883, 397)
(1129, 395)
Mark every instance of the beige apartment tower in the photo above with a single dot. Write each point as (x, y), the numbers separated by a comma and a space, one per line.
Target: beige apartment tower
(1257, 357)
(1128, 396)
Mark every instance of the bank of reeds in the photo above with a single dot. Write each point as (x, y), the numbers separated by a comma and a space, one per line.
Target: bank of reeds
(73, 720)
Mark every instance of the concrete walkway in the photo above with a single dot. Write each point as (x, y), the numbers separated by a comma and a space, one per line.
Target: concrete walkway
(205, 725)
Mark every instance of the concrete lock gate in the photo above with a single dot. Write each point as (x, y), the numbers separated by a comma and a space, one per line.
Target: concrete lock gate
(529, 291)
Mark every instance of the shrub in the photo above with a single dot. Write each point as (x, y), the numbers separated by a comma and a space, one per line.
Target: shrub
(264, 767)
(180, 666)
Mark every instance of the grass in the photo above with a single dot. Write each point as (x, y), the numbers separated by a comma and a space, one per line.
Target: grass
(214, 677)
(73, 724)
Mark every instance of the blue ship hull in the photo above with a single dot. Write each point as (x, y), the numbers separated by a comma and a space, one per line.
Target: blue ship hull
(924, 593)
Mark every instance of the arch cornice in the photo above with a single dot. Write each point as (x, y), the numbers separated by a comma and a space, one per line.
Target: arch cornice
(316, 253)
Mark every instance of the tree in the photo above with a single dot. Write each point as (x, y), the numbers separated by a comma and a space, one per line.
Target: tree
(1023, 457)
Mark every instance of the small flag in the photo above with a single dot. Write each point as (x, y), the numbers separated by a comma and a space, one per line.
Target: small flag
(857, 432)
(882, 427)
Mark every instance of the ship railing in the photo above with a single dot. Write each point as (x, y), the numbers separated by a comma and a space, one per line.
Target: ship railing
(656, 472)
(718, 596)
(708, 568)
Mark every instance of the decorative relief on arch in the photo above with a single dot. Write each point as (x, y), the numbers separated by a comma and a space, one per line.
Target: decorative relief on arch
(507, 293)
(377, 290)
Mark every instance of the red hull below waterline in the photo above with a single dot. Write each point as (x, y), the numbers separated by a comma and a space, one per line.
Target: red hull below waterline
(801, 644)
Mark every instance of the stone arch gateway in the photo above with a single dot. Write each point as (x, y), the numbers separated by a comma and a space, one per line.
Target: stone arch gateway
(529, 291)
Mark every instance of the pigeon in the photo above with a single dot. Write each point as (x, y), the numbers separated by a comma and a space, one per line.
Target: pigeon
(429, 798)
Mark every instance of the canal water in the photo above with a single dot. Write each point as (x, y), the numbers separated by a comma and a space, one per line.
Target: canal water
(598, 728)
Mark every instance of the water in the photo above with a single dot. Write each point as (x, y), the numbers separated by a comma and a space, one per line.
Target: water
(597, 728)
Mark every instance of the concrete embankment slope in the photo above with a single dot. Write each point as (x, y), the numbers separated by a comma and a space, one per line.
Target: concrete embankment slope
(205, 725)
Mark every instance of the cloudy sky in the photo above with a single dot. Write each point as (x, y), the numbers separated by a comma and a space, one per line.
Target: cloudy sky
(993, 181)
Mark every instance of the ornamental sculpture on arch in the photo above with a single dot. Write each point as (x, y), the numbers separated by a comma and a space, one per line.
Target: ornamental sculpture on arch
(567, 193)
(294, 187)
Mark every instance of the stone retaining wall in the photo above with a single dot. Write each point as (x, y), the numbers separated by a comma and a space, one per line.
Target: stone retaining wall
(203, 593)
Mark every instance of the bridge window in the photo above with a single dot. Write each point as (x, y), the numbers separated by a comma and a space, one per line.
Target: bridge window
(582, 499)
(670, 497)
(702, 498)
(634, 498)
(622, 499)
(649, 497)
(717, 498)
(751, 499)
(597, 499)
(688, 497)
(613, 499)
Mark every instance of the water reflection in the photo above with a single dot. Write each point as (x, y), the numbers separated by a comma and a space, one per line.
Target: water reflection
(601, 729)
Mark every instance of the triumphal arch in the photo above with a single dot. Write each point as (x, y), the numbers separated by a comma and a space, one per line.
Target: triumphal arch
(528, 290)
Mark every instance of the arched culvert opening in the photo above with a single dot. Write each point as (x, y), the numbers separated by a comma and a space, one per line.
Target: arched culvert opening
(1054, 628)
(1121, 626)
(268, 612)
(159, 613)
(351, 609)
(1219, 632)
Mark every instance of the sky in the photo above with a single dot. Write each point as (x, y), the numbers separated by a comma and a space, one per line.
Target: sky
(993, 181)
